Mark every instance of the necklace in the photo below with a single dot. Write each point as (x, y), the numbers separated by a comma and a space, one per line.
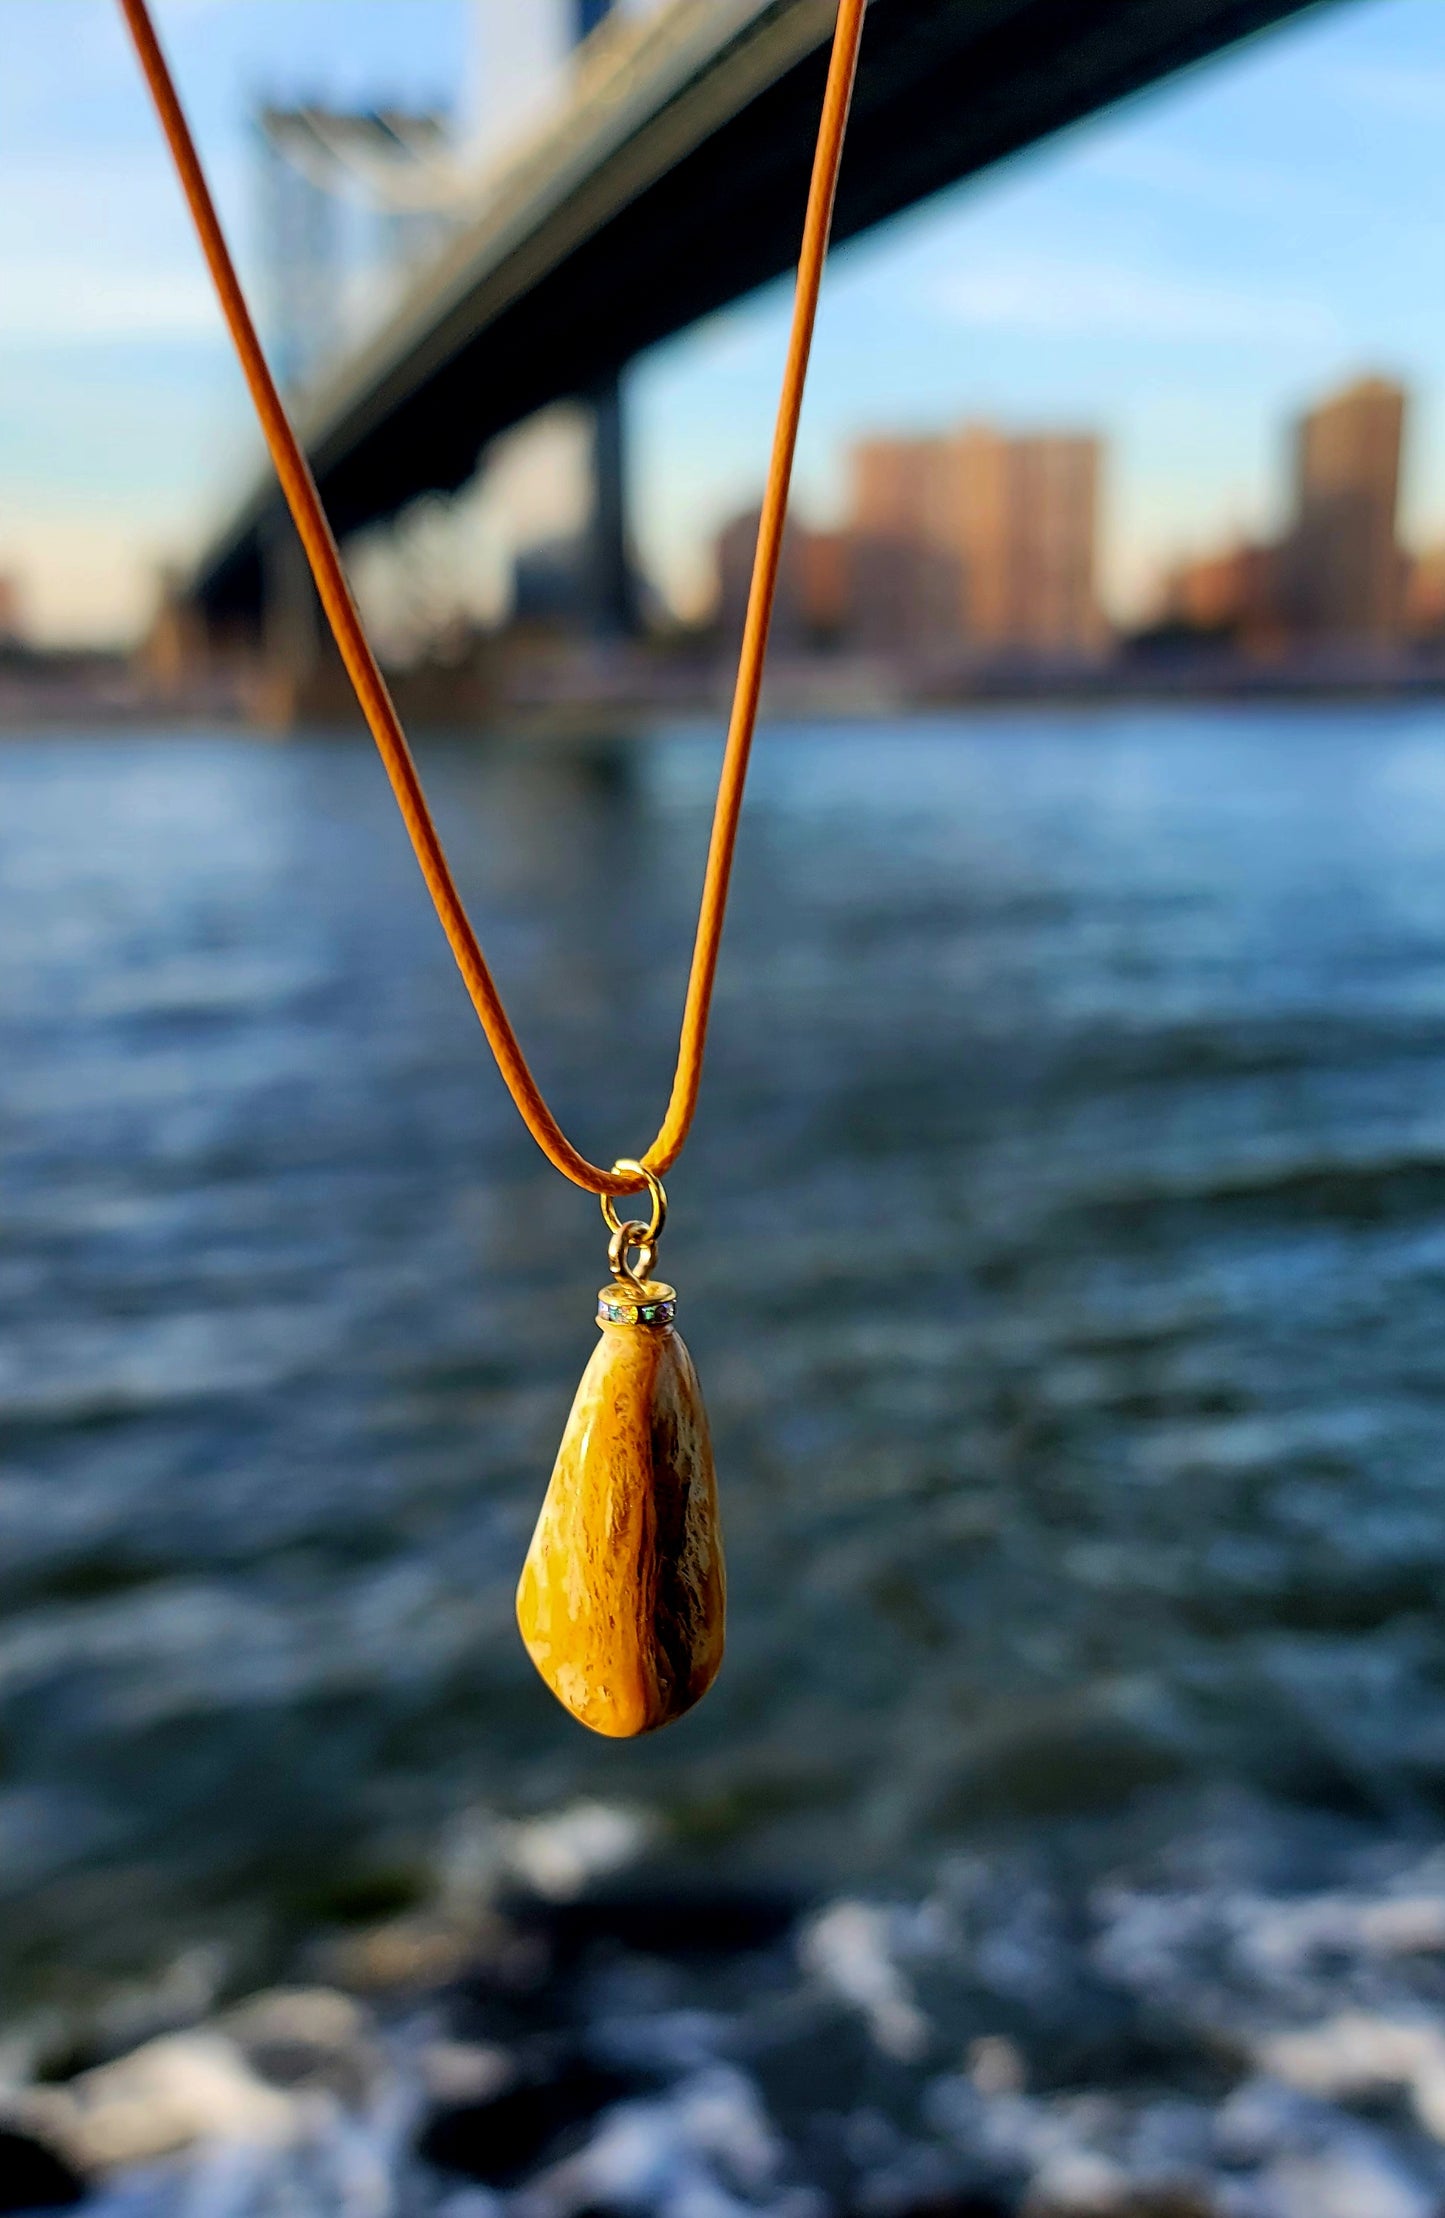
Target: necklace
(622, 1596)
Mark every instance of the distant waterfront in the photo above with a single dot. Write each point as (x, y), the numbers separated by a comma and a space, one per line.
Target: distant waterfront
(576, 688)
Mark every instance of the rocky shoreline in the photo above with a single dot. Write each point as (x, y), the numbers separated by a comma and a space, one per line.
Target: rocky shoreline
(594, 2030)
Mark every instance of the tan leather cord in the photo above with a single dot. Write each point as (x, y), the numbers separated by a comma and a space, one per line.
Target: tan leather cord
(322, 553)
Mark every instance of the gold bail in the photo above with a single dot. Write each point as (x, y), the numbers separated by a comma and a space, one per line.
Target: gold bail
(630, 1234)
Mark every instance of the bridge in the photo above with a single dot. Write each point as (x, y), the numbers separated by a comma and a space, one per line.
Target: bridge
(670, 182)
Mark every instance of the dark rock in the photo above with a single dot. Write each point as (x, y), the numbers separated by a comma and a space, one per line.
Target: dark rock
(1169, 2202)
(34, 2177)
(675, 1920)
(1137, 2202)
(965, 2202)
(500, 2139)
(539, 1950)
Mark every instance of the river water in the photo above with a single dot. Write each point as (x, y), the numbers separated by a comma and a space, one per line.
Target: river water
(1061, 1245)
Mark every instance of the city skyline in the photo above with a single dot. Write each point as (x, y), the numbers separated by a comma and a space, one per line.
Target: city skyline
(987, 536)
(1182, 273)
(982, 541)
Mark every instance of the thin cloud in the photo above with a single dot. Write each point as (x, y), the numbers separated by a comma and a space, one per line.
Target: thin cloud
(1230, 184)
(1391, 87)
(49, 304)
(1051, 297)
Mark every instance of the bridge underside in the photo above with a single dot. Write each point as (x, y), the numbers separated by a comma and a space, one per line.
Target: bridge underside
(681, 189)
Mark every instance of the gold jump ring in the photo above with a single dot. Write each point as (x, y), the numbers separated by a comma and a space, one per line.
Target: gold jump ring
(652, 1232)
(629, 1239)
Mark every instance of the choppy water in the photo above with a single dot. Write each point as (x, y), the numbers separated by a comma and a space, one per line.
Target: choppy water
(1062, 1246)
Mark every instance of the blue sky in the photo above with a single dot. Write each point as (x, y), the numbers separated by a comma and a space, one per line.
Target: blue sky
(1181, 274)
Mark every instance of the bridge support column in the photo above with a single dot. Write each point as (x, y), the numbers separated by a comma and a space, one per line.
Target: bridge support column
(611, 576)
(302, 677)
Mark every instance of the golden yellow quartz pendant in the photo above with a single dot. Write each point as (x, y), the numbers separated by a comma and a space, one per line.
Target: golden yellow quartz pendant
(622, 1596)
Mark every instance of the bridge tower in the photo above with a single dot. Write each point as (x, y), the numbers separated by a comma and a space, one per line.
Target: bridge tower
(521, 58)
(314, 160)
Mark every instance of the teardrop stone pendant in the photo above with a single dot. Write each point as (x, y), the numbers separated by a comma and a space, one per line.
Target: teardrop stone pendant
(621, 1600)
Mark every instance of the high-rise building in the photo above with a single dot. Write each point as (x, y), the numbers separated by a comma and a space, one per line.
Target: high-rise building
(904, 591)
(1230, 597)
(808, 599)
(12, 610)
(903, 595)
(903, 489)
(824, 584)
(971, 541)
(1342, 571)
(1015, 523)
(1048, 601)
(1425, 597)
